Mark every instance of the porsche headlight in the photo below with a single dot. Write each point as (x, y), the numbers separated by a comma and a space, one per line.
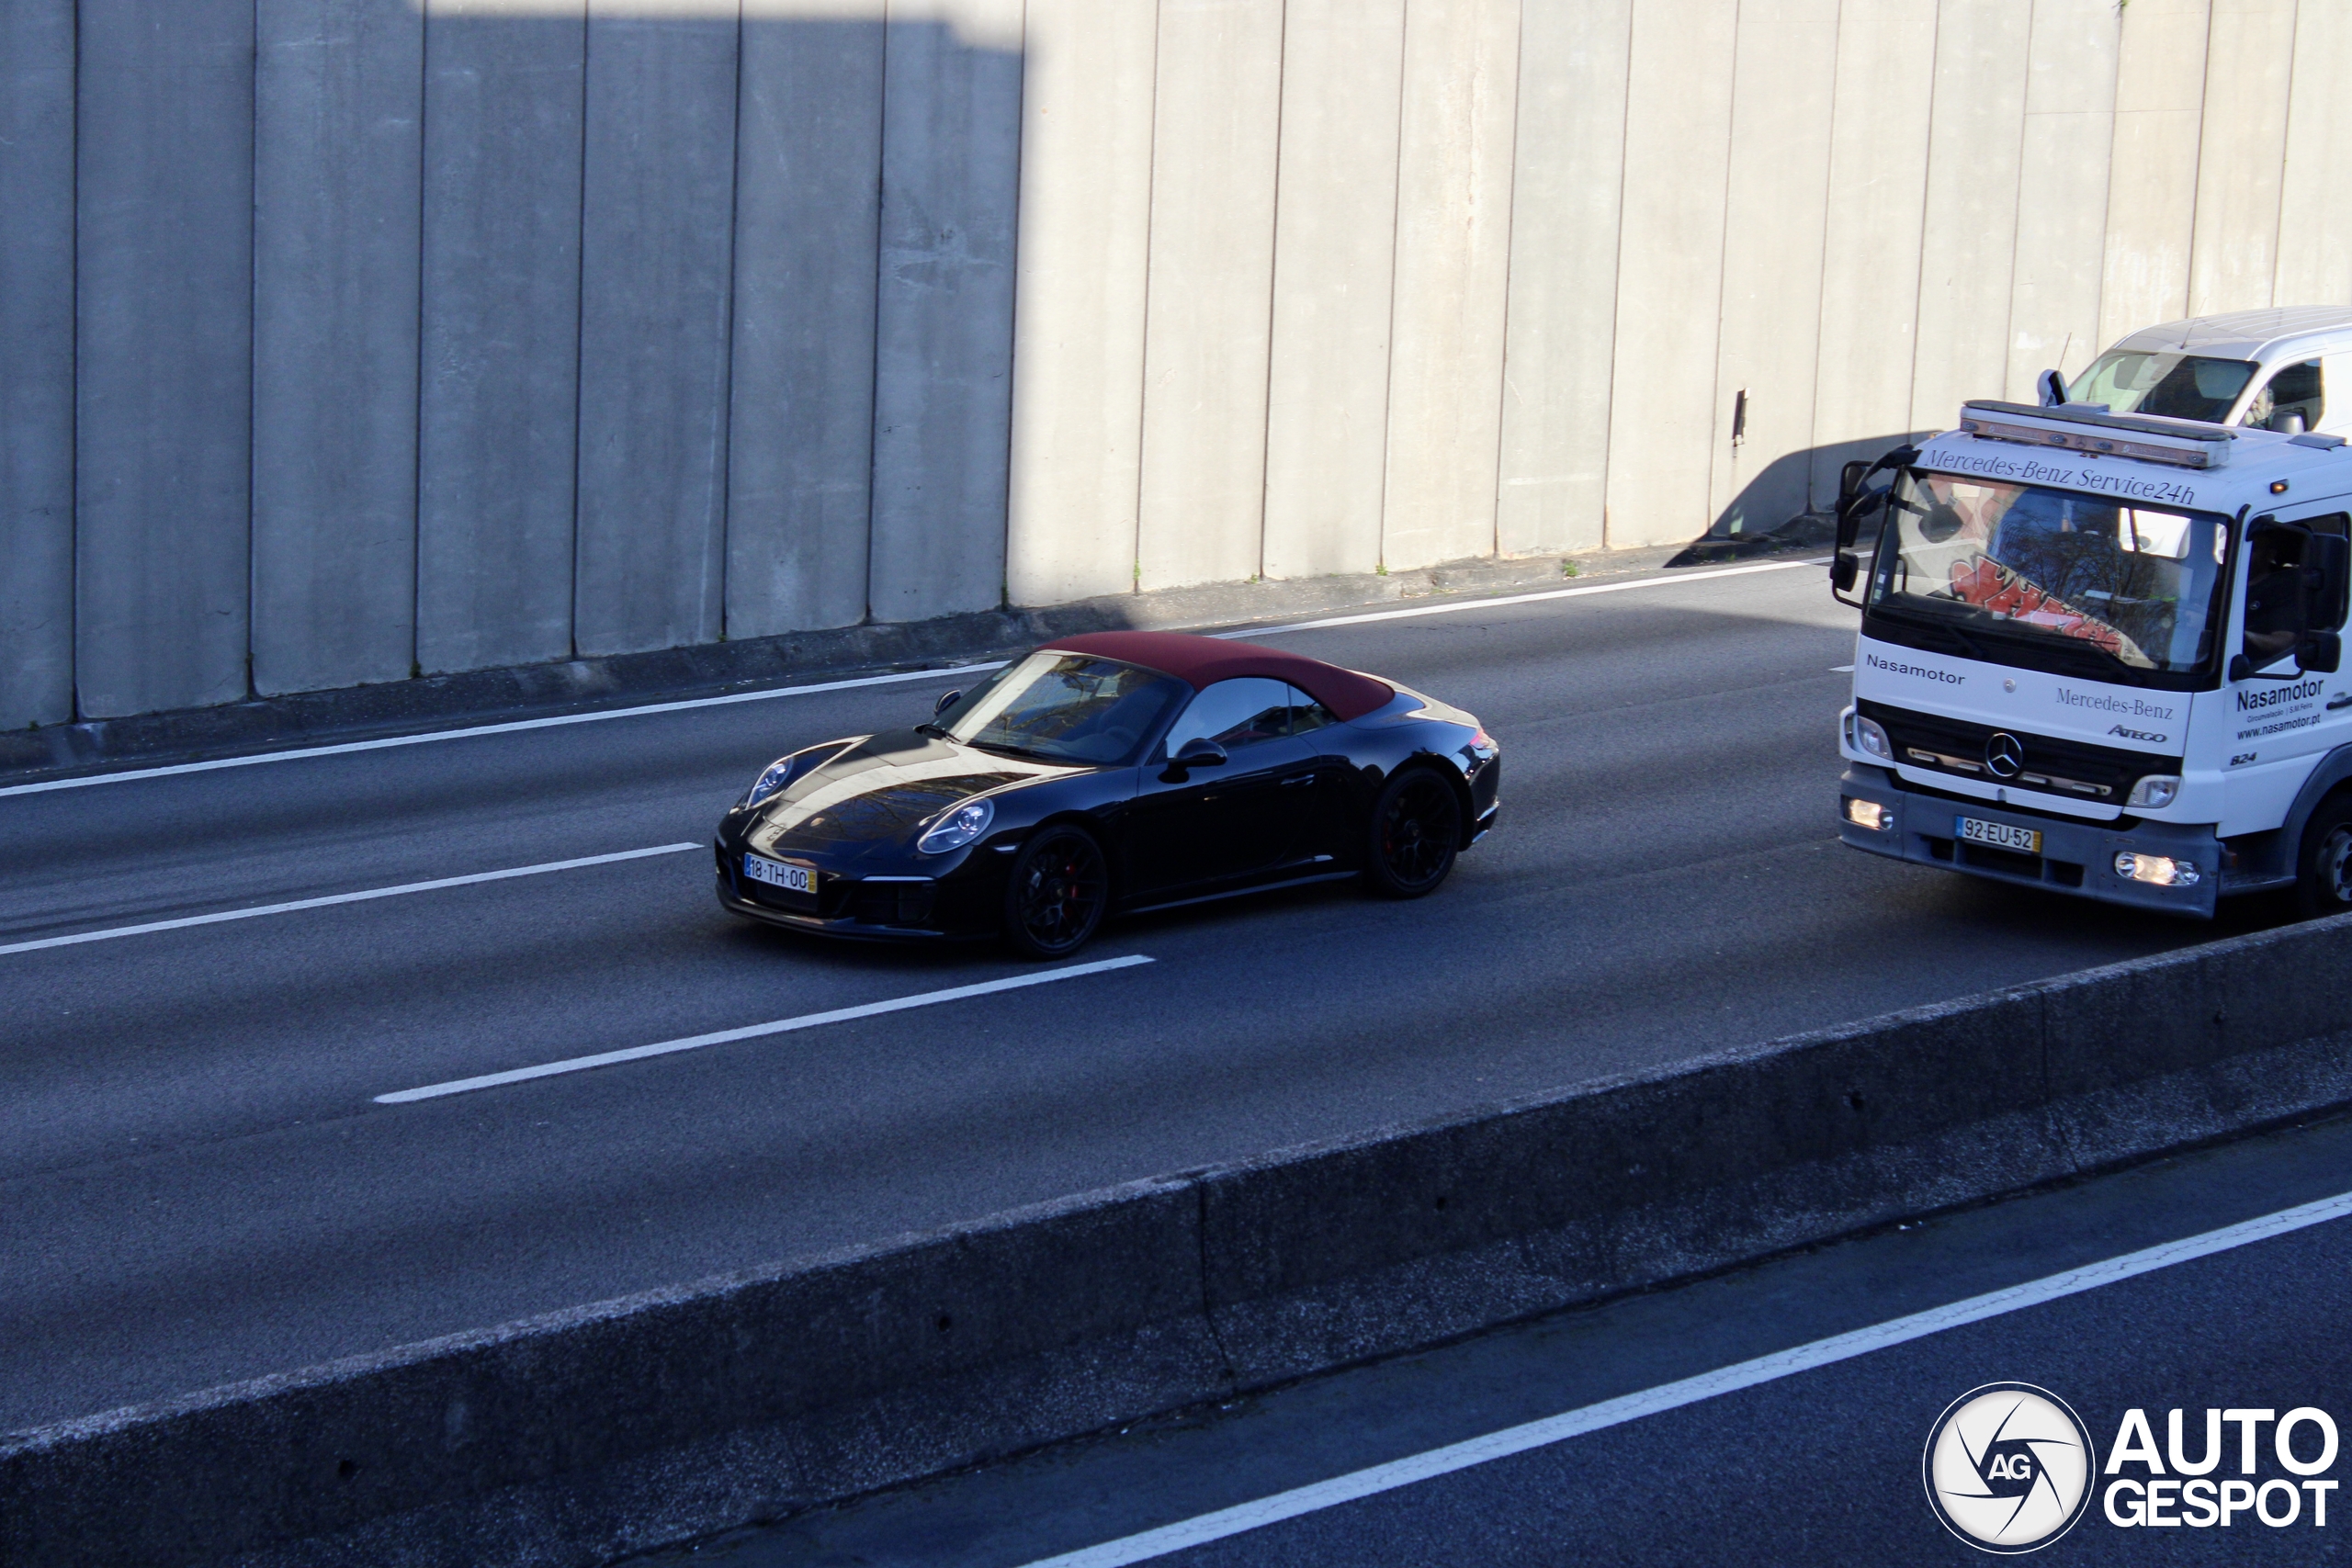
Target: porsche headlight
(777, 775)
(958, 828)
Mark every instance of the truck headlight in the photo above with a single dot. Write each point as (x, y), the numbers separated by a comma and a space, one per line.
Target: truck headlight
(1870, 738)
(2159, 871)
(2155, 792)
(1868, 814)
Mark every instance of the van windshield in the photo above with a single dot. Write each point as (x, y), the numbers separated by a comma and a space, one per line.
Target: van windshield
(2180, 386)
(2050, 579)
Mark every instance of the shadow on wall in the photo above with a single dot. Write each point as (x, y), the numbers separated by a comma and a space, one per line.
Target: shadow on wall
(1788, 502)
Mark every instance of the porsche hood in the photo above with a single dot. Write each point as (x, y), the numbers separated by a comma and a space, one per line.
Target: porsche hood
(882, 790)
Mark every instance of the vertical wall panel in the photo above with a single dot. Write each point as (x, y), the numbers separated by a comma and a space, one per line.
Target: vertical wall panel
(1669, 270)
(2314, 240)
(1870, 268)
(2150, 194)
(1771, 290)
(2062, 200)
(657, 209)
(37, 363)
(1968, 242)
(165, 383)
(337, 102)
(801, 442)
(1568, 171)
(1209, 316)
(1453, 183)
(500, 402)
(2234, 257)
(1079, 322)
(943, 395)
(1335, 238)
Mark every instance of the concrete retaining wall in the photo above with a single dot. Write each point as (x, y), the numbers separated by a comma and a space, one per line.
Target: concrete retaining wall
(346, 338)
(570, 1439)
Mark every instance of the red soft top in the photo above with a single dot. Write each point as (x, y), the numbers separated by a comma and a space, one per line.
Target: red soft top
(1200, 660)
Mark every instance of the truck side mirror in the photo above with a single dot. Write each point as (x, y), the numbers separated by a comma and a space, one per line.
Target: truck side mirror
(1843, 570)
(2288, 422)
(2322, 653)
(947, 699)
(2051, 388)
(1849, 480)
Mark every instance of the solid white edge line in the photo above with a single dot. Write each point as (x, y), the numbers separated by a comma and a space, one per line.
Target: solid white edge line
(320, 903)
(1518, 1440)
(510, 727)
(516, 725)
(1464, 605)
(754, 1031)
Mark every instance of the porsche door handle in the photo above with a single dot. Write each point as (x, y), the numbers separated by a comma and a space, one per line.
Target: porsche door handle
(1299, 779)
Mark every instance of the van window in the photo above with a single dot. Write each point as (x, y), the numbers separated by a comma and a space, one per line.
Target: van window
(2291, 389)
(2180, 386)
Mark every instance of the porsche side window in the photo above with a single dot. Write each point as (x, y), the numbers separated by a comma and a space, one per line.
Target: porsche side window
(1235, 713)
(1307, 714)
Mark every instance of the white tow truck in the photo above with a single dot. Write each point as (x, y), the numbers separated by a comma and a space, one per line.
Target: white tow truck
(2098, 654)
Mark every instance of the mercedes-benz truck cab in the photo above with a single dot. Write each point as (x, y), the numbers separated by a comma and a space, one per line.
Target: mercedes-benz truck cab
(2098, 655)
(2274, 370)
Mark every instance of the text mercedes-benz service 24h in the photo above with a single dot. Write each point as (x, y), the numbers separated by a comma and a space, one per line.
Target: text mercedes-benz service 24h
(2098, 653)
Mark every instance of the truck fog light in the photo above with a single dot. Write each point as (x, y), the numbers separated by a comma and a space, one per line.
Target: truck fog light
(2156, 869)
(1868, 814)
(2155, 792)
(1870, 738)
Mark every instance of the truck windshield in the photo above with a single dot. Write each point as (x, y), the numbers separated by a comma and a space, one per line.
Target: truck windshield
(2049, 580)
(2181, 386)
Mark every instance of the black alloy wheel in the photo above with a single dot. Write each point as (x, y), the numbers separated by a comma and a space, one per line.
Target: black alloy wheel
(1416, 831)
(1060, 891)
(2323, 883)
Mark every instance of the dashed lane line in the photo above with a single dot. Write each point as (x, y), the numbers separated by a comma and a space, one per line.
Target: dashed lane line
(258, 910)
(754, 1031)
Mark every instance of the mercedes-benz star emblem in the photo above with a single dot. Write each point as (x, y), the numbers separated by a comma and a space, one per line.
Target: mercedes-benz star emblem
(2003, 755)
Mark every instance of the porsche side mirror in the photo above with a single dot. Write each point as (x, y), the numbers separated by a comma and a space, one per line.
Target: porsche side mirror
(1198, 752)
(947, 699)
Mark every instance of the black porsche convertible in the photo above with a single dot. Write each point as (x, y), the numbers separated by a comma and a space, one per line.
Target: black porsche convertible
(1111, 771)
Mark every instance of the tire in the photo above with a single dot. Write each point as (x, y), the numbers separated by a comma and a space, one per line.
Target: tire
(1416, 832)
(1058, 894)
(2324, 875)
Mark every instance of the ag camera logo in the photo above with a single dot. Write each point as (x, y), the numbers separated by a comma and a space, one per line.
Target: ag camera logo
(2008, 1468)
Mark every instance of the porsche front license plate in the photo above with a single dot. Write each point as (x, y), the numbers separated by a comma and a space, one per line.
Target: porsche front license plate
(776, 874)
(2000, 835)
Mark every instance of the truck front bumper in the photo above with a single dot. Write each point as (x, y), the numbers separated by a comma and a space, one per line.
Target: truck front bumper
(2076, 857)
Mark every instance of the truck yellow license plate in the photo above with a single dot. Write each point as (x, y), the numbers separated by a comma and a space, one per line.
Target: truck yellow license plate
(2000, 835)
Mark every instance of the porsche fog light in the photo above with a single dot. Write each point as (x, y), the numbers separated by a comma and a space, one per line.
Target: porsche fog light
(2155, 792)
(958, 828)
(1870, 738)
(2158, 871)
(1868, 814)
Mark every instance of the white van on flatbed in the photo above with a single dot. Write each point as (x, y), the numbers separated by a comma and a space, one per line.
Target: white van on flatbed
(2271, 369)
(2098, 655)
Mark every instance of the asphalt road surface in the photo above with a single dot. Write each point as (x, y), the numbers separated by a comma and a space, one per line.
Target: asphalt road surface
(198, 1183)
(1817, 1466)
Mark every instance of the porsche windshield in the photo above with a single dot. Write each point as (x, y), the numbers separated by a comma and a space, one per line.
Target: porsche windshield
(2050, 579)
(1064, 707)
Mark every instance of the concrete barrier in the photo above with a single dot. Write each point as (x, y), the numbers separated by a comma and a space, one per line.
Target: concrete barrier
(573, 1438)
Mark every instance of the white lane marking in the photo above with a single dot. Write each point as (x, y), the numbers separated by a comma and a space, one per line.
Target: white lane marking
(511, 728)
(1841, 669)
(1689, 1391)
(1460, 607)
(516, 725)
(360, 897)
(753, 1030)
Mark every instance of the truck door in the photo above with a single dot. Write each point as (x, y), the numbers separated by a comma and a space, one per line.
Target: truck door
(2281, 723)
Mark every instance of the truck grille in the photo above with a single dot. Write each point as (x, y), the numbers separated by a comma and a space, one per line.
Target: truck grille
(2101, 775)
